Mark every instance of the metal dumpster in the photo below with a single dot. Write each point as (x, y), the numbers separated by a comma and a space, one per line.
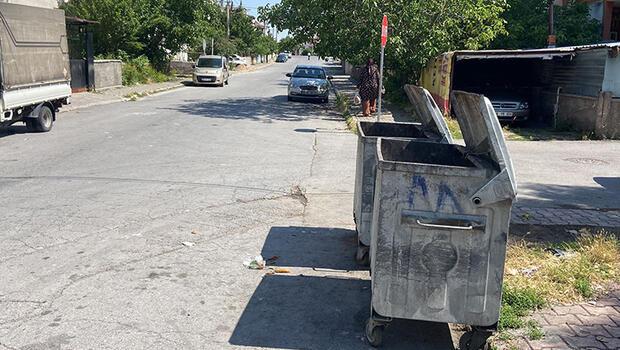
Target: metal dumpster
(440, 226)
(432, 128)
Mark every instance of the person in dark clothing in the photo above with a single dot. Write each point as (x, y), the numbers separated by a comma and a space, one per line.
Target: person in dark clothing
(369, 87)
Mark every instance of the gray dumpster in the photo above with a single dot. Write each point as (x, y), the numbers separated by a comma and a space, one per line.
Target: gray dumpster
(440, 226)
(432, 128)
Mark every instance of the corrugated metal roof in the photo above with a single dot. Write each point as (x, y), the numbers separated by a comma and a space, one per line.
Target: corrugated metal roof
(547, 53)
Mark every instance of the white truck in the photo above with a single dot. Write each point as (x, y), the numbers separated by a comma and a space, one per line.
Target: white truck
(34, 66)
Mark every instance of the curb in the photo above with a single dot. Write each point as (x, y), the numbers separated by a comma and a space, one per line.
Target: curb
(139, 95)
(121, 99)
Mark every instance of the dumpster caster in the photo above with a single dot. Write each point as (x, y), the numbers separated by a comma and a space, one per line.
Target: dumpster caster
(374, 332)
(362, 256)
(476, 339)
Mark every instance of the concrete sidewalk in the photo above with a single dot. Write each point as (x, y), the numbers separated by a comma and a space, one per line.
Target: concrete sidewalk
(559, 183)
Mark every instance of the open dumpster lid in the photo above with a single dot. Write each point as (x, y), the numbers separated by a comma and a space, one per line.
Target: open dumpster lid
(484, 137)
(429, 113)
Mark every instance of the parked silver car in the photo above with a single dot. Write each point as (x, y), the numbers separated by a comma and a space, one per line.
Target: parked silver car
(211, 70)
(509, 107)
(309, 83)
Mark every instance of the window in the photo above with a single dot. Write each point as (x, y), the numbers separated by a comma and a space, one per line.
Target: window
(209, 63)
(315, 73)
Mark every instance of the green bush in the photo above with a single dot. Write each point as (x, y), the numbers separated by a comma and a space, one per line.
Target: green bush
(140, 71)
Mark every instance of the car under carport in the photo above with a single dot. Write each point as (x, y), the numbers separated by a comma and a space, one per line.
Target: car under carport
(569, 87)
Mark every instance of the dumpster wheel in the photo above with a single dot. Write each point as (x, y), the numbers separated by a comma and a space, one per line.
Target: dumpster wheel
(374, 332)
(476, 339)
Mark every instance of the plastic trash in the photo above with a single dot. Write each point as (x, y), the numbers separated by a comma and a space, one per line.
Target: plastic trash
(257, 263)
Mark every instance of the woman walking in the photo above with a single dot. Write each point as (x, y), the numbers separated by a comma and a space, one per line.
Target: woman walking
(369, 87)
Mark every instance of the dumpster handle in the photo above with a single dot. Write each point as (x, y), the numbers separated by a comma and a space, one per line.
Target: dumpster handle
(447, 227)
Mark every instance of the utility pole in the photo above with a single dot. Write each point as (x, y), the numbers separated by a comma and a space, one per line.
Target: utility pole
(551, 39)
(228, 6)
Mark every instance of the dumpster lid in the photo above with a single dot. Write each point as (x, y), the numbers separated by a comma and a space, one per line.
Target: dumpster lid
(484, 137)
(429, 113)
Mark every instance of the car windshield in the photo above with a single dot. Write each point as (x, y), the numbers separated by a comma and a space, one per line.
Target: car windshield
(209, 63)
(309, 73)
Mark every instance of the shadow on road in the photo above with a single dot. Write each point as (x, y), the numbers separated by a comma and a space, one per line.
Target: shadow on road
(610, 184)
(13, 130)
(302, 312)
(316, 312)
(314, 247)
(259, 109)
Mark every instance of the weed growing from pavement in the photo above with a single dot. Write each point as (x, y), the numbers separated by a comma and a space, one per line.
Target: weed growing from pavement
(455, 129)
(533, 330)
(538, 275)
(343, 106)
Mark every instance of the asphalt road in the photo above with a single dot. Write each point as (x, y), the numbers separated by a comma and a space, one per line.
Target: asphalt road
(95, 214)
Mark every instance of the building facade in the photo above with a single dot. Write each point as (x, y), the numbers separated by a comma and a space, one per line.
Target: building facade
(605, 11)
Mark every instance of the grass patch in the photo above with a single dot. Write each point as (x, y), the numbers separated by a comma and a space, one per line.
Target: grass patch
(140, 71)
(533, 330)
(455, 129)
(513, 133)
(536, 276)
(343, 104)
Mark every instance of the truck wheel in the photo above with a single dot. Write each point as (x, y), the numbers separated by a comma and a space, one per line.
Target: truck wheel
(43, 122)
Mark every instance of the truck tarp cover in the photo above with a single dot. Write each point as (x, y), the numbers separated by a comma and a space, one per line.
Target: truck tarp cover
(34, 46)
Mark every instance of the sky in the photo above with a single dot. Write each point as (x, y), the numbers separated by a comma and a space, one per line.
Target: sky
(252, 5)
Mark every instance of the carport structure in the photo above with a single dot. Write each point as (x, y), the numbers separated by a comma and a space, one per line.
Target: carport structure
(576, 87)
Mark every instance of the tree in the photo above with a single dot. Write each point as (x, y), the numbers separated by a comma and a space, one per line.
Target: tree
(421, 29)
(119, 24)
(154, 28)
(526, 25)
(288, 44)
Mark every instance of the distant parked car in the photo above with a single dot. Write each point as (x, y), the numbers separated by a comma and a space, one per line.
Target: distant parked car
(237, 60)
(509, 107)
(290, 55)
(309, 83)
(282, 58)
(211, 70)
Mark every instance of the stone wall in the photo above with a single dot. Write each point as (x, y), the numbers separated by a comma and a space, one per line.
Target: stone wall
(108, 73)
(600, 115)
(608, 117)
(182, 68)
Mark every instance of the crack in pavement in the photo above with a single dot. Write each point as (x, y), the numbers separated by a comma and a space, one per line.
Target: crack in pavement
(118, 266)
(315, 150)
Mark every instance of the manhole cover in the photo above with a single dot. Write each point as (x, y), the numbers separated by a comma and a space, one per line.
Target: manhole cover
(590, 161)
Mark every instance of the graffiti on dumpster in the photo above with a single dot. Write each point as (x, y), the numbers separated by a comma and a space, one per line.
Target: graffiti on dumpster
(445, 197)
(417, 182)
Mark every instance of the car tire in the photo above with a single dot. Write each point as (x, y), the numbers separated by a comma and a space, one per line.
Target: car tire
(43, 122)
